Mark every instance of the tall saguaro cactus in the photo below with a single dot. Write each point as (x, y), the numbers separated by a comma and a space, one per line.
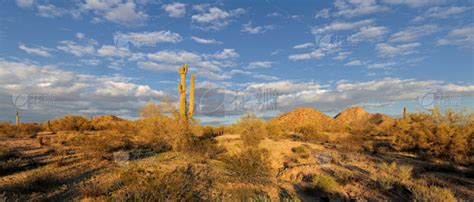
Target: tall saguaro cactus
(182, 98)
(405, 114)
(17, 119)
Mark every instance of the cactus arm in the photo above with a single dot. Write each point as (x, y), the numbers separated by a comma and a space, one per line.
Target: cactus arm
(191, 97)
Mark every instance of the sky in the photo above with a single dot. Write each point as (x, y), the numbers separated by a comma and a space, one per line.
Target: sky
(98, 57)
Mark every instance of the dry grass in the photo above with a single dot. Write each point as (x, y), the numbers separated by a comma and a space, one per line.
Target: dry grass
(251, 129)
(251, 165)
(436, 135)
(324, 183)
(169, 161)
(388, 175)
(432, 194)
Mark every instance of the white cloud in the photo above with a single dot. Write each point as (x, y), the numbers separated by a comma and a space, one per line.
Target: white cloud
(315, 54)
(274, 14)
(226, 53)
(76, 49)
(25, 3)
(50, 11)
(175, 10)
(214, 18)
(41, 51)
(342, 55)
(73, 91)
(323, 14)
(146, 39)
(265, 77)
(414, 3)
(112, 51)
(386, 65)
(126, 14)
(442, 12)
(126, 89)
(205, 41)
(413, 33)
(115, 11)
(354, 63)
(257, 29)
(369, 33)
(260, 64)
(341, 26)
(353, 8)
(80, 35)
(387, 50)
(463, 36)
(304, 45)
(344, 93)
(208, 65)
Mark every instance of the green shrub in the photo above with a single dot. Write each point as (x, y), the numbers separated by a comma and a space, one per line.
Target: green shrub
(423, 193)
(251, 130)
(251, 165)
(324, 183)
(389, 174)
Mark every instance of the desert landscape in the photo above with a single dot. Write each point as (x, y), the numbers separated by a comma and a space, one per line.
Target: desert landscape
(302, 155)
(221, 100)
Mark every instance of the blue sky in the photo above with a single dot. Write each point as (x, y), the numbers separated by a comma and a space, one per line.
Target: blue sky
(111, 56)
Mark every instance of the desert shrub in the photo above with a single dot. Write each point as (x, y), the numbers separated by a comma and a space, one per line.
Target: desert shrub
(388, 175)
(324, 183)
(29, 129)
(312, 133)
(39, 180)
(7, 129)
(432, 194)
(436, 135)
(251, 165)
(103, 144)
(274, 130)
(25, 129)
(188, 183)
(209, 131)
(206, 146)
(302, 151)
(110, 122)
(251, 129)
(344, 176)
(71, 123)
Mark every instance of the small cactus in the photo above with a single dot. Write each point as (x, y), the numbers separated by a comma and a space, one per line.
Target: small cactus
(17, 120)
(405, 114)
(182, 98)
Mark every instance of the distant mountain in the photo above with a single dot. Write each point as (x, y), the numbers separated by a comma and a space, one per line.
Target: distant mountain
(302, 116)
(104, 118)
(353, 116)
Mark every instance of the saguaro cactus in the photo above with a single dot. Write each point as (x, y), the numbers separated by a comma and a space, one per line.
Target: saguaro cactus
(17, 120)
(405, 114)
(182, 98)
